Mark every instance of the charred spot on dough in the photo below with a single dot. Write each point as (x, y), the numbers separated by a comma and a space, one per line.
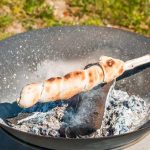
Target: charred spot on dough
(90, 74)
(58, 78)
(51, 79)
(90, 77)
(110, 62)
(78, 73)
(73, 74)
(67, 76)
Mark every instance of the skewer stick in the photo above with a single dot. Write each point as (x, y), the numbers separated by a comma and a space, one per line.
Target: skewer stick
(131, 64)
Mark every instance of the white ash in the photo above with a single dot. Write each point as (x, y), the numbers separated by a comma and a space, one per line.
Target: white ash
(42, 123)
(123, 114)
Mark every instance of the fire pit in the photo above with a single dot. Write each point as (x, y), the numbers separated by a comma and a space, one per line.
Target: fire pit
(70, 48)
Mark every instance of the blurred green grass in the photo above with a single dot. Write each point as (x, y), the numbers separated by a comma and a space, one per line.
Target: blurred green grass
(22, 15)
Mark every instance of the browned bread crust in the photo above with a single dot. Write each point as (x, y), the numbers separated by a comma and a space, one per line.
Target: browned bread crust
(72, 83)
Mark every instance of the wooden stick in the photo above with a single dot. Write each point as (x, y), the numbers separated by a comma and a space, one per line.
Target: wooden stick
(131, 64)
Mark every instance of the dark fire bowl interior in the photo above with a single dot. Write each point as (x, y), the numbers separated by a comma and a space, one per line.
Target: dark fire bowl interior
(20, 55)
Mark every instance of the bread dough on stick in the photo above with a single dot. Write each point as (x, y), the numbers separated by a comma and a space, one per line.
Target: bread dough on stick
(57, 88)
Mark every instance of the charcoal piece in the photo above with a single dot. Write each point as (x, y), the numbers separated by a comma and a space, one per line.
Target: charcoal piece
(125, 103)
(88, 111)
(113, 104)
(111, 131)
(79, 130)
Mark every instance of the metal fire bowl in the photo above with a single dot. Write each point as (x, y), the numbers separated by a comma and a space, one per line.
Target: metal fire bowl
(21, 54)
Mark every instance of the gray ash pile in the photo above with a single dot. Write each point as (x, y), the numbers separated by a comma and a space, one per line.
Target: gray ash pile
(123, 114)
(41, 119)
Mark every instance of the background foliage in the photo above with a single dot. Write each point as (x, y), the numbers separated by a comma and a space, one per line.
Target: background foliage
(22, 15)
